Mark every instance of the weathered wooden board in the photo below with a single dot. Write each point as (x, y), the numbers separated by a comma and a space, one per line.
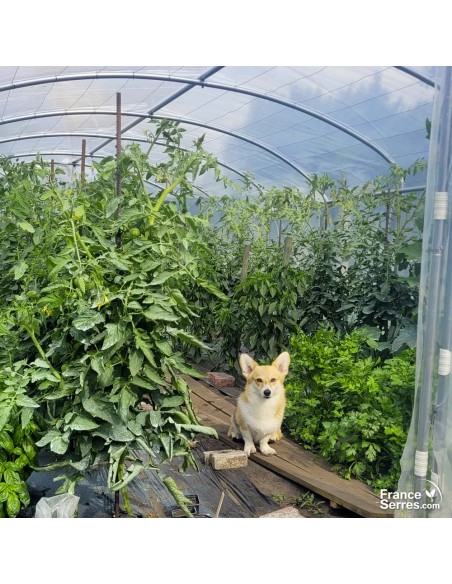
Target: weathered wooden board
(291, 461)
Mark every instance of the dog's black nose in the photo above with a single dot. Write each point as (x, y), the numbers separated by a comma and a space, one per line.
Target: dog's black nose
(267, 392)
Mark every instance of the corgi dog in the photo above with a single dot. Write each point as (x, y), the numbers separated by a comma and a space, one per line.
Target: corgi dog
(260, 408)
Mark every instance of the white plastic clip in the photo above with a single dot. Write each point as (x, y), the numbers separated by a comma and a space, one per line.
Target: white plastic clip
(440, 206)
(420, 463)
(444, 362)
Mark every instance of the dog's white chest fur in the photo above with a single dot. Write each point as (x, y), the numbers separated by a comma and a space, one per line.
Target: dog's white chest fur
(259, 415)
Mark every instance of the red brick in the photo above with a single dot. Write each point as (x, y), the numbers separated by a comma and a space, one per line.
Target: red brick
(220, 379)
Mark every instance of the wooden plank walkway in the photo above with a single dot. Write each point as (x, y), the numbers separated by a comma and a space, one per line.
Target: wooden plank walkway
(291, 461)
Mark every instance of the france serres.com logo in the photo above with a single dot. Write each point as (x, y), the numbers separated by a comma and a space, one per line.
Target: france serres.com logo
(412, 500)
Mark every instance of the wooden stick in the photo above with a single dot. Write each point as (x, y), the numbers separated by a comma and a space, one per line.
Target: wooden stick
(245, 262)
(82, 177)
(220, 504)
(288, 244)
(118, 143)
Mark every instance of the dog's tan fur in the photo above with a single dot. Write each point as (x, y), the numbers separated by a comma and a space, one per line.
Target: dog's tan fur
(257, 419)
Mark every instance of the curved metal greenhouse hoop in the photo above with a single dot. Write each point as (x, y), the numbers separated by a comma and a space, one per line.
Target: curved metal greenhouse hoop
(107, 136)
(416, 75)
(296, 167)
(201, 83)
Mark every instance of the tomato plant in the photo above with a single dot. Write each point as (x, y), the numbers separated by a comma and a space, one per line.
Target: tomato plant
(95, 315)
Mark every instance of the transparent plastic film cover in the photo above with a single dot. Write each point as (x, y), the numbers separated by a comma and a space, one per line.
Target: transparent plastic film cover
(425, 485)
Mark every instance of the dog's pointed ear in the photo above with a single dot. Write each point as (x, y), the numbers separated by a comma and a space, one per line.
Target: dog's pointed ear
(247, 365)
(282, 363)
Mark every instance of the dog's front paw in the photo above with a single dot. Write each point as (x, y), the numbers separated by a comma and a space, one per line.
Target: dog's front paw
(249, 449)
(267, 450)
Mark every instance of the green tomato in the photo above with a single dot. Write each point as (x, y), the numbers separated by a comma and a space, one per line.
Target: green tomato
(134, 232)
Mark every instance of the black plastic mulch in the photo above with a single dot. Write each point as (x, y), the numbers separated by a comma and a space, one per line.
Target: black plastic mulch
(149, 497)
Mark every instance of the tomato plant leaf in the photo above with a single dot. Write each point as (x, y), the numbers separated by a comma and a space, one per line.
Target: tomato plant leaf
(23, 400)
(115, 334)
(20, 269)
(81, 422)
(87, 319)
(135, 362)
(191, 339)
(155, 312)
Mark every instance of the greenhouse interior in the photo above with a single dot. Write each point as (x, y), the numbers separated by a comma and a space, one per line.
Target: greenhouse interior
(198, 261)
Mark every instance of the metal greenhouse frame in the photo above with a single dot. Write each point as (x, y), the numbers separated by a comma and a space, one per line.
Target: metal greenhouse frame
(284, 126)
(212, 82)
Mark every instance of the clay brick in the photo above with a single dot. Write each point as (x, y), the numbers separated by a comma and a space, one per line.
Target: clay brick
(283, 513)
(220, 379)
(225, 459)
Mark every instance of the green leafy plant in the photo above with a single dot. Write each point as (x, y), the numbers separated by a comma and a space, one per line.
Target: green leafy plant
(18, 452)
(305, 501)
(356, 251)
(95, 314)
(262, 314)
(348, 406)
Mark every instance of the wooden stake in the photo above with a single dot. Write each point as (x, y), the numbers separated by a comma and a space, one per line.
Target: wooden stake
(325, 218)
(82, 177)
(118, 143)
(288, 244)
(220, 504)
(118, 154)
(245, 262)
(387, 218)
(52, 170)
